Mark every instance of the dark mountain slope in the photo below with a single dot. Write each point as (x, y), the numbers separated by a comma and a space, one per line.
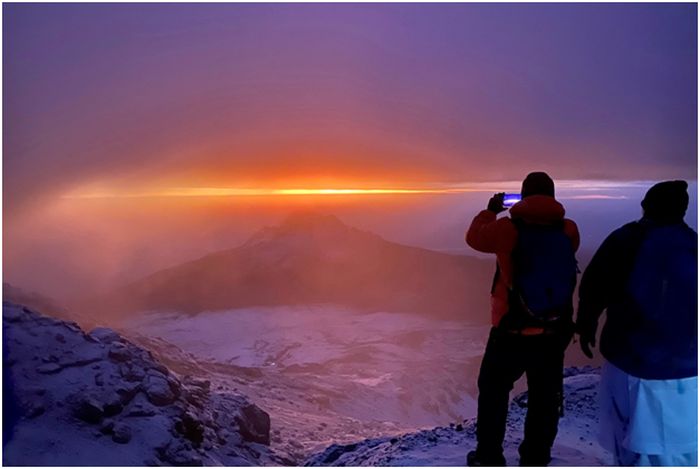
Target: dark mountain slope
(312, 259)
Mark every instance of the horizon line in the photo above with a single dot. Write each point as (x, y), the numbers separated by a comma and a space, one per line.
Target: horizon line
(584, 185)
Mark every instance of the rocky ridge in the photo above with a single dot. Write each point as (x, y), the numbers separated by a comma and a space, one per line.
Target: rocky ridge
(84, 397)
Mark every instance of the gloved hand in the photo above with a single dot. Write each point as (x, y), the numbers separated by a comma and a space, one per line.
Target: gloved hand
(586, 338)
(496, 203)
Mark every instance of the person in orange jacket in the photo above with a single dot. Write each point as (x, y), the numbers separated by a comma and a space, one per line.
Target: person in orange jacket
(531, 316)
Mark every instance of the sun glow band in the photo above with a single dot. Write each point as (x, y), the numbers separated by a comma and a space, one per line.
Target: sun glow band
(235, 192)
(570, 189)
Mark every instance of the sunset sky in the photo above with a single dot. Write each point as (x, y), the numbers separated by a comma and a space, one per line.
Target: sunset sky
(140, 102)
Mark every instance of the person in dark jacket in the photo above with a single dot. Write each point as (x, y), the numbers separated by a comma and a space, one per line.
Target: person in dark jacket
(516, 346)
(644, 276)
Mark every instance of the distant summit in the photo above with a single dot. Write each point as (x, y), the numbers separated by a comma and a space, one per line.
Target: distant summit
(312, 258)
(309, 225)
(305, 220)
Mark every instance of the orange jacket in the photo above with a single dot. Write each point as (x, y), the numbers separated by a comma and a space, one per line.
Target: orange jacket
(498, 236)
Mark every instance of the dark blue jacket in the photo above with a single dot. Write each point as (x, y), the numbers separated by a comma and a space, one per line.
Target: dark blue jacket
(645, 276)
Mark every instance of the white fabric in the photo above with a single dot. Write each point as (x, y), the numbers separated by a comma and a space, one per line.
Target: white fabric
(648, 417)
(629, 458)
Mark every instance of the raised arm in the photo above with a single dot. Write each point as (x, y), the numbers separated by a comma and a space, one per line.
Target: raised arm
(489, 234)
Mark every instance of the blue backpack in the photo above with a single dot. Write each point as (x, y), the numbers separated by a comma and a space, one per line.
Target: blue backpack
(651, 329)
(662, 284)
(544, 276)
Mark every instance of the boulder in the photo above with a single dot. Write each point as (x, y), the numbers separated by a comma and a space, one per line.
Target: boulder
(196, 391)
(131, 372)
(175, 386)
(140, 407)
(70, 325)
(162, 369)
(112, 404)
(158, 390)
(127, 391)
(88, 409)
(191, 428)
(119, 353)
(141, 410)
(179, 454)
(105, 335)
(196, 396)
(107, 427)
(198, 383)
(121, 433)
(254, 424)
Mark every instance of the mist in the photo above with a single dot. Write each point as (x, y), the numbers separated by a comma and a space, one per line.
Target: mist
(73, 248)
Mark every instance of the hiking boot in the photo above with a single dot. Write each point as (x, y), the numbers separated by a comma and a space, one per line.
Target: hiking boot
(534, 458)
(534, 462)
(476, 459)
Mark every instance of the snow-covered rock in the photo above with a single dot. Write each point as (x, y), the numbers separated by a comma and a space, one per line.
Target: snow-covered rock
(97, 399)
(576, 443)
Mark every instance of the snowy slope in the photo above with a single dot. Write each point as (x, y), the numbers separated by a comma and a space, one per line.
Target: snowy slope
(328, 375)
(576, 443)
(394, 367)
(98, 399)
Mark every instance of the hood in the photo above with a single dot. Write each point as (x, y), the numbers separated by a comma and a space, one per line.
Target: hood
(538, 209)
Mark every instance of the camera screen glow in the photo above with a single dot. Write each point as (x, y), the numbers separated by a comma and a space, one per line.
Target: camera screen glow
(510, 200)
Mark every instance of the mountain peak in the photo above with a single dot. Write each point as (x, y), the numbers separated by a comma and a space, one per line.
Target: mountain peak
(303, 225)
(312, 258)
(309, 220)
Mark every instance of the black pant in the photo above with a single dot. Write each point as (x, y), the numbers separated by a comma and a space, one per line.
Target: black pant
(507, 357)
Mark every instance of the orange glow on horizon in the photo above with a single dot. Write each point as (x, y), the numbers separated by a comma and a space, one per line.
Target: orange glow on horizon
(577, 189)
(248, 192)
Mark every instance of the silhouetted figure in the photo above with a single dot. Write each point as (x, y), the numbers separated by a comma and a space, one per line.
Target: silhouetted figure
(532, 318)
(645, 276)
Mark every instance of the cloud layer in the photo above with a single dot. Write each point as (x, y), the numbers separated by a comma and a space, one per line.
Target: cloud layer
(322, 95)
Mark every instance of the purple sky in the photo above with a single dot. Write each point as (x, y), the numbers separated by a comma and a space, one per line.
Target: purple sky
(132, 98)
(226, 94)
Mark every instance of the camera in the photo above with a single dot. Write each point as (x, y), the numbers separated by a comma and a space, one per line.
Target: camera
(511, 199)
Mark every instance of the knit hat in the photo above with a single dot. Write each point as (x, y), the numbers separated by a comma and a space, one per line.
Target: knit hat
(666, 201)
(537, 183)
